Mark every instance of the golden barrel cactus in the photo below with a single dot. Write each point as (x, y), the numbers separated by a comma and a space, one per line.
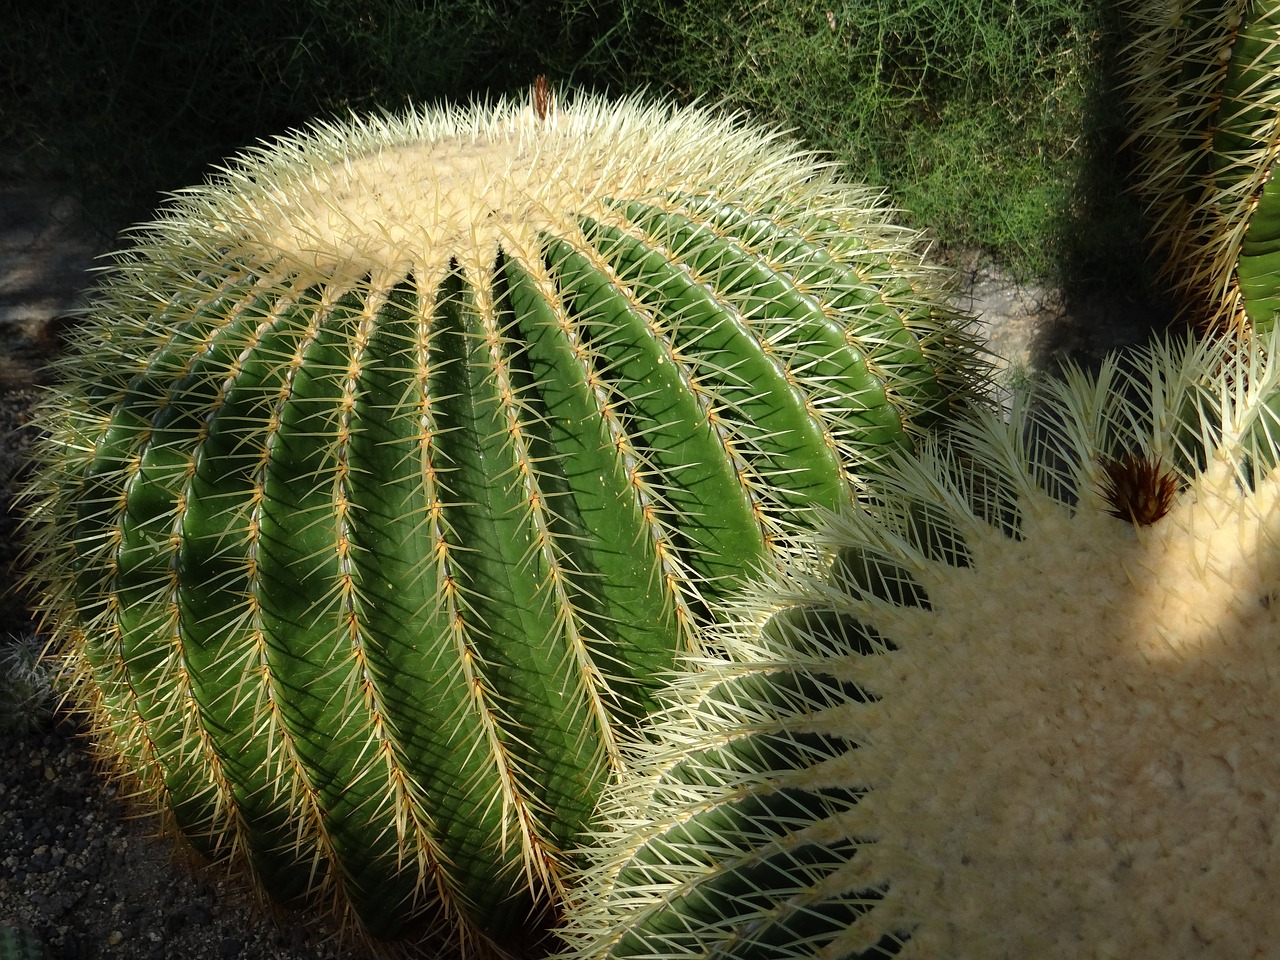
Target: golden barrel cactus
(392, 465)
(1032, 713)
(1202, 78)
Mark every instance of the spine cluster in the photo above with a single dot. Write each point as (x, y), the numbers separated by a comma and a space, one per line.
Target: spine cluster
(1201, 84)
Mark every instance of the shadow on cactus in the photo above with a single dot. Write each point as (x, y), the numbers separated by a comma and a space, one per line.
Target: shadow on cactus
(392, 465)
(1204, 89)
(1031, 713)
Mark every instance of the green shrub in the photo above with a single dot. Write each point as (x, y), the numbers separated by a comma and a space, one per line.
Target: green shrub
(990, 121)
(134, 97)
(979, 115)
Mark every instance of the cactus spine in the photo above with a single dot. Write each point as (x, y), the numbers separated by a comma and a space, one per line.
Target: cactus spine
(1204, 85)
(26, 694)
(394, 463)
(1030, 714)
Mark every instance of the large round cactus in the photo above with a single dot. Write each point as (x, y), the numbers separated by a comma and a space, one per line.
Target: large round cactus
(1203, 80)
(392, 465)
(1032, 713)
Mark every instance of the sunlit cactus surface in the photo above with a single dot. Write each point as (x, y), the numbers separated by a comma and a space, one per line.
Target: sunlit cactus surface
(393, 465)
(1202, 78)
(1032, 713)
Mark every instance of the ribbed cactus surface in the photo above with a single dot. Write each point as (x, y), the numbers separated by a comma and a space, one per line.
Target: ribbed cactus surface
(19, 944)
(392, 466)
(1203, 82)
(1031, 712)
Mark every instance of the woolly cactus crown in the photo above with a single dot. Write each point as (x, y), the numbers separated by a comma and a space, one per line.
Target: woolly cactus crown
(1034, 713)
(430, 190)
(409, 193)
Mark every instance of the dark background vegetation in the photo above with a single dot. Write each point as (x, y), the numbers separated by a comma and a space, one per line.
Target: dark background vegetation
(993, 123)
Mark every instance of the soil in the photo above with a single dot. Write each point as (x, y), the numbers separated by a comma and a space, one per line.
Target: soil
(81, 872)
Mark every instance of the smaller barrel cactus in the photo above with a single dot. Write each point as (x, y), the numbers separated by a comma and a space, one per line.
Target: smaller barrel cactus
(1032, 713)
(392, 466)
(1203, 82)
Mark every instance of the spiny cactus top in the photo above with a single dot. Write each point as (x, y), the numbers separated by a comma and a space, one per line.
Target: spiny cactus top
(394, 464)
(1203, 81)
(1033, 713)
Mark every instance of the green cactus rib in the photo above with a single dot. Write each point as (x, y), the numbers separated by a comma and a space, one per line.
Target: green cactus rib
(1253, 86)
(19, 944)
(362, 539)
(1204, 84)
(740, 835)
(745, 870)
(1027, 713)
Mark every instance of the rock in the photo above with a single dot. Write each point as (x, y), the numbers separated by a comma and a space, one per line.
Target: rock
(1032, 328)
(45, 253)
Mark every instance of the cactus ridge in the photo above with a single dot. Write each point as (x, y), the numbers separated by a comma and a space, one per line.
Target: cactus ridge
(393, 464)
(1007, 722)
(1202, 83)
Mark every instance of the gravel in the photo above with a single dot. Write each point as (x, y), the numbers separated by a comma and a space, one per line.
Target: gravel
(90, 881)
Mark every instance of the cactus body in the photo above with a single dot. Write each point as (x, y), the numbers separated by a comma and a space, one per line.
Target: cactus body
(1031, 713)
(19, 944)
(394, 464)
(1204, 85)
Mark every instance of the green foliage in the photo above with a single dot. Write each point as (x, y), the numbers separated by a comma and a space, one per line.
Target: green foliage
(977, 114)
(938, 168)
(989, 120)
(132, 97)
(394, 465)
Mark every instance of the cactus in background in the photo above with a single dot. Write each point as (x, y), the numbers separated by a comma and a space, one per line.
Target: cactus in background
(1204, 88)
(27, 697)
(392, 465)
(19, 944)
(1032, 712)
